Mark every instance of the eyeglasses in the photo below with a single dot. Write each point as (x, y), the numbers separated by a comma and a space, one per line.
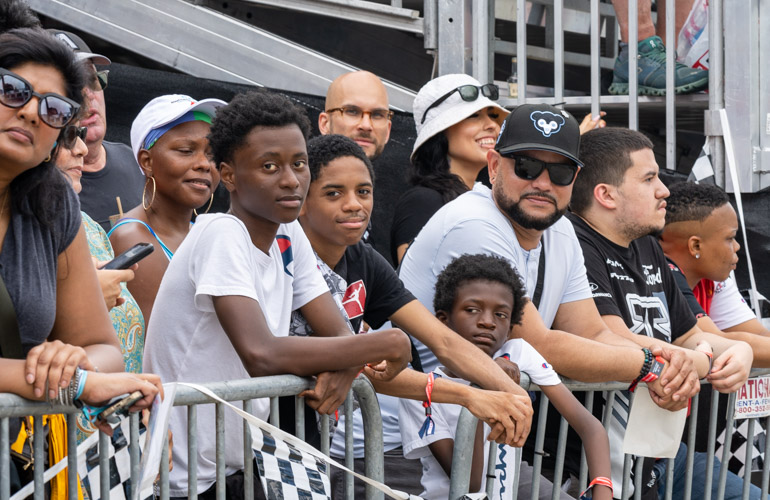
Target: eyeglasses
(54, 110)
(354, 113)
(71, 134)
(468, 93)
(97, 80)
(528, 168)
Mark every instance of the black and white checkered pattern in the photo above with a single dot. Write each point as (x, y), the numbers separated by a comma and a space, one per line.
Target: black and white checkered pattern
(738, 447)
(288, 473)
(120, 464)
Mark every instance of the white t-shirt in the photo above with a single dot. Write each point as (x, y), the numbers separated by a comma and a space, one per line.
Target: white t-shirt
(185, 341)
(435, 481)
(727, 306)
(472, 224)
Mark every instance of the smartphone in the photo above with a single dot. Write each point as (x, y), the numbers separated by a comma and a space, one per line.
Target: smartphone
(130, 256)
(118, 407)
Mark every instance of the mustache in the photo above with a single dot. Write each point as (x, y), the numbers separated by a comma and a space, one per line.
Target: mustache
(540, 194)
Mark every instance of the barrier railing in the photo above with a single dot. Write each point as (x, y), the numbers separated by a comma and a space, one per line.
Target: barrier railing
(466, 427)
(12, 406)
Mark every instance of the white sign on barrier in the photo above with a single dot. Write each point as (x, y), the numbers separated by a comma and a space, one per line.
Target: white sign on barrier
(753, 399)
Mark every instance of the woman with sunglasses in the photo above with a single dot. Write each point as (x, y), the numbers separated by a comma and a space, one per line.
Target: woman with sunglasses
(169, 139)
(457, 122)
(127, 319)
(54, 336)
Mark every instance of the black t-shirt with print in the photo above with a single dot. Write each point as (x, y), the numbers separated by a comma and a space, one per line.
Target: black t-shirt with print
(374, 289)
(374, 292)
(636, 284)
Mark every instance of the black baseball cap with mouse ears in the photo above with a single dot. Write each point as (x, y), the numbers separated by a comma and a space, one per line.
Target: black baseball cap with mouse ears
(540, 127)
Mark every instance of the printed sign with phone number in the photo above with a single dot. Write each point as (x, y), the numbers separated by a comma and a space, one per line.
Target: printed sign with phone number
(753, 399)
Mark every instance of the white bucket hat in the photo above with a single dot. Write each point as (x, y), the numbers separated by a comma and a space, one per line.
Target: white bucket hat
(453, 110)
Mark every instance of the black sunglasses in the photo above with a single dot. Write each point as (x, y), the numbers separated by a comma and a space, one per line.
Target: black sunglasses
(54, 110)
(469, 93)
(528, 168)
(71, 134)
(97, 80)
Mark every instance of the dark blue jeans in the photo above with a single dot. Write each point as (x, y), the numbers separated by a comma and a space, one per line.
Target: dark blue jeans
(733, 487)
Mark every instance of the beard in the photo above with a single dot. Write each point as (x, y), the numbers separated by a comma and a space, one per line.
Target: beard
(513, 210)
(634, 232)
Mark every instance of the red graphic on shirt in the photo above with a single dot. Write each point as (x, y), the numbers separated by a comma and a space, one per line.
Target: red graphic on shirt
(354, 299)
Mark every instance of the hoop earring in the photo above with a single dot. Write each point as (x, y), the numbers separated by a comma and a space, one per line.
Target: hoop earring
(47, 160)
(195, 211)
(146, 205)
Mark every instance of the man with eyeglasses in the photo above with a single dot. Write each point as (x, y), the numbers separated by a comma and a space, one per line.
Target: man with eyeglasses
(110, 170)
(357, 107)
(532, 170)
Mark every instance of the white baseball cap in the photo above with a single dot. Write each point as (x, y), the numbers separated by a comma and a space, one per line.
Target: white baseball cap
(449, 112)
(164, 110)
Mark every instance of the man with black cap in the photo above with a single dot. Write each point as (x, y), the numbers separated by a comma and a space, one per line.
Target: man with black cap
(110, 170)
(532, 170)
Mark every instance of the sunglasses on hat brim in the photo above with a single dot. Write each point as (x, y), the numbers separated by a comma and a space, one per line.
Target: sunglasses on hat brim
(468, 93)
(528, 168)
(54, 110)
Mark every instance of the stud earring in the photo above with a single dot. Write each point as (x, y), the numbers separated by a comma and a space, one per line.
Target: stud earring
(697, 256)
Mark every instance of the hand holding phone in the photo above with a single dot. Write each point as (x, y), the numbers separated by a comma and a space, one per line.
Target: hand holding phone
(118, 407)
(130, 256)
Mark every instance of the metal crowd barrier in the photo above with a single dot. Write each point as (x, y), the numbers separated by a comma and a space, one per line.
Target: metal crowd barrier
(466, 427)
(12, 406)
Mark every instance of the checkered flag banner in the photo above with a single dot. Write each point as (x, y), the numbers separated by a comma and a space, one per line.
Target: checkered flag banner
(738, 446)
(289, 468)
(286, 472)
(703, 170)
(120, 463)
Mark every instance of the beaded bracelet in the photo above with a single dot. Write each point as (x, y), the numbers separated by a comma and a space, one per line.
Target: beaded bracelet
(646, 367)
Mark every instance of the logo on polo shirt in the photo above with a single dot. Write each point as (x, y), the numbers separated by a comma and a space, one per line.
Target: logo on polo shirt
(354, 300)
(284, 244)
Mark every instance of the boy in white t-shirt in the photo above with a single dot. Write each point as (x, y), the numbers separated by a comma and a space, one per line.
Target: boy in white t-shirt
(480, 297)
(224, 306)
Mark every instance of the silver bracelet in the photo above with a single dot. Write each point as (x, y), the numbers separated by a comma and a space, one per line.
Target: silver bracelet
(66, 395)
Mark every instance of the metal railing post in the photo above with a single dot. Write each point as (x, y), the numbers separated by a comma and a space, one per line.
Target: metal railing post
(373, 445)
(716, 87)
(633, 63)
(462, 455)
(670, 84)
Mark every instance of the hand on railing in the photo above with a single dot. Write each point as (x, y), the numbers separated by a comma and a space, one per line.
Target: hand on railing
(101, 387)
(54, 363)
(678, 381)
(510, 368)
(330, 391)
(389, 368)
(509, 415)
(731, 368)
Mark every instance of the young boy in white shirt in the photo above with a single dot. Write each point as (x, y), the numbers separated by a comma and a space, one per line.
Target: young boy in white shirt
(224, 306)
(480, 297)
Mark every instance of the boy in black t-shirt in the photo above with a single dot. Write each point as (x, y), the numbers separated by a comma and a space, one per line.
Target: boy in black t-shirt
(617, 203)
(369, 292)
